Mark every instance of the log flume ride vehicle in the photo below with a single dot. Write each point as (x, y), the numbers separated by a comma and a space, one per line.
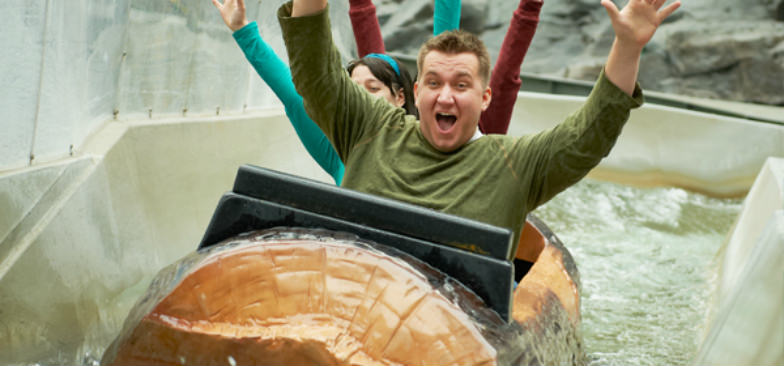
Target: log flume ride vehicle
(294, 271)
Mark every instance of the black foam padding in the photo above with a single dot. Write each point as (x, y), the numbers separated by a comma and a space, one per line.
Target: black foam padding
(378, 212)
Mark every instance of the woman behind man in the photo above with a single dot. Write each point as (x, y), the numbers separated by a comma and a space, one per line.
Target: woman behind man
(383, 76)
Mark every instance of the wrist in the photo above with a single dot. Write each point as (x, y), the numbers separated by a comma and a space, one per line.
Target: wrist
(237, 26)
(627, 47)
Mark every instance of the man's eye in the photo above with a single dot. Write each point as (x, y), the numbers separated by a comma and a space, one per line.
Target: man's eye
(432, 83)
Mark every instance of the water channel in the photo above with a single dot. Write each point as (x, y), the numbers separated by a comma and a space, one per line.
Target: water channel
(646, 258)
(647, 261)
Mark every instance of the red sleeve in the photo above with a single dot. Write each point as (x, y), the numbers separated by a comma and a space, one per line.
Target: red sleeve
(367, 32)
(505, 79)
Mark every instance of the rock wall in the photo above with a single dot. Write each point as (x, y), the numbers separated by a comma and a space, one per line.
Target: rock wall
(722, 49)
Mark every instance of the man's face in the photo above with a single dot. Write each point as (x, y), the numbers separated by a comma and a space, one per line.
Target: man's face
(450, 96)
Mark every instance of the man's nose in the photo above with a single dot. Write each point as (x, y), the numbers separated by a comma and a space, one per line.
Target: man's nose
(446, 95)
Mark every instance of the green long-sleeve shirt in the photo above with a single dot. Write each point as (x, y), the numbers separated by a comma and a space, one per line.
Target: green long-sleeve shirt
(495, 179)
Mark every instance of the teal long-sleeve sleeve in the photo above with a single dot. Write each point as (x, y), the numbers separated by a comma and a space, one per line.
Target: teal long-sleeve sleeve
(278, 76)
(446, 16)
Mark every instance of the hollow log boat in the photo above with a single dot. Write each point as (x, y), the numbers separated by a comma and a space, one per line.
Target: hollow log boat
(303, 295)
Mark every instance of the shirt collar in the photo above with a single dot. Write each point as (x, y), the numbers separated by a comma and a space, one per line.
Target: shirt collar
(476, 136)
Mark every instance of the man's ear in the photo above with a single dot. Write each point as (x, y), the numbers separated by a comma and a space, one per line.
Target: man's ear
(487, 96)
(416, 94)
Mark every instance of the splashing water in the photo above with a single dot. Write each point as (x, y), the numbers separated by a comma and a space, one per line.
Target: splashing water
(647, 261)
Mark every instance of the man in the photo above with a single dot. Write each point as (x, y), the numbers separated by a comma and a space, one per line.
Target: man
(442, 162)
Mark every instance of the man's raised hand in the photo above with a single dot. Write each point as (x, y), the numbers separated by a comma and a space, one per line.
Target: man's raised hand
(233, 13)
(635, 24)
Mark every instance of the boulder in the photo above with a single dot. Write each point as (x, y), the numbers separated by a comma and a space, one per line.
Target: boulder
(761, 80)
(708, 48)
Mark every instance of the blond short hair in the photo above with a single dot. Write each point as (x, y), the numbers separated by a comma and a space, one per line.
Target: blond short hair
(454, 42)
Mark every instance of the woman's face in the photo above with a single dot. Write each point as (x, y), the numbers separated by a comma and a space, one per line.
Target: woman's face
(365, 78)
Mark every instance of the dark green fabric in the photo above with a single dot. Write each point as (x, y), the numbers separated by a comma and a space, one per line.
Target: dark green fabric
(495, 179)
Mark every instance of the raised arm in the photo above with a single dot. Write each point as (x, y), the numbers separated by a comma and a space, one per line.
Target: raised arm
(634, 26)
(367, 31)
(566, 153)
(341, 108)
(446, 16)
(278, 76)
(505, 79)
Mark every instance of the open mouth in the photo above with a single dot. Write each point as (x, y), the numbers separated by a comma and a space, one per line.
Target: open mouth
(445, 121)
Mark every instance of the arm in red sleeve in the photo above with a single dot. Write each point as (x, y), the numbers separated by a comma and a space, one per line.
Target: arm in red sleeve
(367, 32)
(505, 79)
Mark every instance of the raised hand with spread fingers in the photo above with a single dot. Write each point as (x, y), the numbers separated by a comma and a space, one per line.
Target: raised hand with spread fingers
(639, 19)
(634, 27)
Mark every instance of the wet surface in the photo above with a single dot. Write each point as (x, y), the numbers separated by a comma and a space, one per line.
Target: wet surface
(298, 296)
(647, 261)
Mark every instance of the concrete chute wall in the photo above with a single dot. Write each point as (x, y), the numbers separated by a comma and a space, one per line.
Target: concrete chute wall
(70, 67)
(716, 155)
(747, 322)
(81, 238)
